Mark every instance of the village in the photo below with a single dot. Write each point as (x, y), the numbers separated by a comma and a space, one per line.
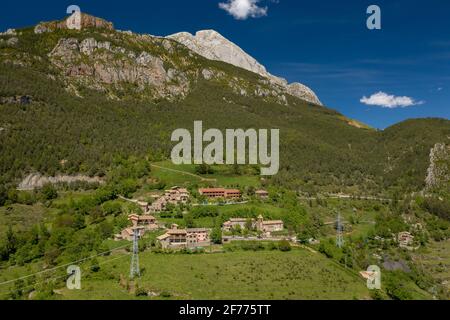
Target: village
(176, 237)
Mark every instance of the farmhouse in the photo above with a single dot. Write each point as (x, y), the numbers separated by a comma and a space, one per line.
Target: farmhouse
(405, 239)
(220, 193)
(142, 223)
(233, 223)
(262, 194)
(182, 238)
(147, 221)
(175, 195)
(269, 226)
(159, 205)
(260, 225)
(128, 234)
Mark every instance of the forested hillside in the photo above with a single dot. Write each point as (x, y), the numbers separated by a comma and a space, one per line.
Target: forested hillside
(57, 119)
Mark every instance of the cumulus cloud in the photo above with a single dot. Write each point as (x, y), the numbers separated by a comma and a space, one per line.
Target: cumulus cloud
(243, 9)
(385, 100)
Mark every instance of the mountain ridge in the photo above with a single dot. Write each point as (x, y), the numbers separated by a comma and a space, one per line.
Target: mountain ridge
(212, 45)
(71, 101)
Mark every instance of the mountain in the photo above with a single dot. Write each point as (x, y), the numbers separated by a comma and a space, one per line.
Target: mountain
(212, 45)
(72, 101)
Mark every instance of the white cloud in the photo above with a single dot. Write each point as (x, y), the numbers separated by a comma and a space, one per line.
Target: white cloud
(385, 100)
(242, 9)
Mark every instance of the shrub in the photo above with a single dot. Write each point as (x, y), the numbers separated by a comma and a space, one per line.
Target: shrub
(284, 246)
(141, 292)
(49, 192)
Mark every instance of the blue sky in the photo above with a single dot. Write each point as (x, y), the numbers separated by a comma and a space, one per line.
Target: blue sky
(323, 44)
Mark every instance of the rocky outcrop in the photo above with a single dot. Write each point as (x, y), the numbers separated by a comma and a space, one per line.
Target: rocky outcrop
(100, 64)
(303, 92)
(36, 181)
(212, 45)
(9, 32)
(438, 174)
(22, 100)
(11, 42)
(85, 21)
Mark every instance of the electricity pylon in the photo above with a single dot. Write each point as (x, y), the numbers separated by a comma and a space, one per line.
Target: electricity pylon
(339, 230)
(134, 267)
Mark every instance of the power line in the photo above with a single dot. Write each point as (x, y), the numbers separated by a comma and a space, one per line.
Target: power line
(63, 276)
(62, 266)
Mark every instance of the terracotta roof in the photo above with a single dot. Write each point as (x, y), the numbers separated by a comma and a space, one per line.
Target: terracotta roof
(273, 222)
(133, 217)
(238, 220)
(211, 190)
(163, 237)
(233, 191)
(129, 231)
(195, 230)
(147, 217)
(177, 231)
(367, 274)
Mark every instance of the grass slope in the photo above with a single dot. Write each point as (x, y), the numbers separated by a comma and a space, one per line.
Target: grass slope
(298, 274)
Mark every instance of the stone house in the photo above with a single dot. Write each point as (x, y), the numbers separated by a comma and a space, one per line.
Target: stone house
(405, 239)
(184, 238)
(262, 194)
(128, 234)
(175, 196)
(260, 225)
(143, 224)
(269, 226)
(233, 223)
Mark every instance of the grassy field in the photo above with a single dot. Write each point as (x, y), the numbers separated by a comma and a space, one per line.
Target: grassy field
(172, 175)
(435, 258)
(298, 274)
(22, 217)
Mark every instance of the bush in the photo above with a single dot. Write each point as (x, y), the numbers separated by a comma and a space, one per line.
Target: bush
(216, 235)
(141, 292)
(49, 192)
(437, 207)
(284, 246)
(252, 246)
(204, 169)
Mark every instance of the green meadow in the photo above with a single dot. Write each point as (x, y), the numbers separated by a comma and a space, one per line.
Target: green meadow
(299, 274)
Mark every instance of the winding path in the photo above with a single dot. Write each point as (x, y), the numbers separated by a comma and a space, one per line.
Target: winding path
(184, 173)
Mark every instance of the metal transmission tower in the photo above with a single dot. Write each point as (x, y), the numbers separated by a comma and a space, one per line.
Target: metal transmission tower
(339, 231)
(134, 267)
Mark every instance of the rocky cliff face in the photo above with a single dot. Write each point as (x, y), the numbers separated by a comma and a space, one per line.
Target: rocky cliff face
(438, 174)
(212, 45)
(36, 181)
(85, 21)
(90, 53)
(102, 65)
